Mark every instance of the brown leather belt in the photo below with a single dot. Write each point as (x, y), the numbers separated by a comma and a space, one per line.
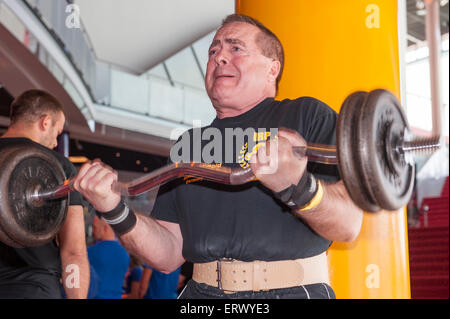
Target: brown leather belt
(235, 275)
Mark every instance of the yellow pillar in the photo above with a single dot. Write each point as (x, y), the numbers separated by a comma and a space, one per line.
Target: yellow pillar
(332, 49)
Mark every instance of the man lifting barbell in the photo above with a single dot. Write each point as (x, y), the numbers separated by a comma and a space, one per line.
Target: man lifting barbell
(235, 229)
(242, 241)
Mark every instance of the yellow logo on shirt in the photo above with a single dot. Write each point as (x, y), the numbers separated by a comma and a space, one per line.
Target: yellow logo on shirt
(245, 155)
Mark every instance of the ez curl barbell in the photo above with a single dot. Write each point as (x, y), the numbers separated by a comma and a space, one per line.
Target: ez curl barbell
(374, 154)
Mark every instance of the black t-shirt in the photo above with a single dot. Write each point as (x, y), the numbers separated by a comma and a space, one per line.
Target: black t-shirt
(33, 272)
(246, 222)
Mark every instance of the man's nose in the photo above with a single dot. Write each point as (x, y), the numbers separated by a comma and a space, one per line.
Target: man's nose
(221, 57)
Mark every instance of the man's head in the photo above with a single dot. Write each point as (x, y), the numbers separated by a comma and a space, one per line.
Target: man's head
(101, 230)
(245, 64)
(38, 115)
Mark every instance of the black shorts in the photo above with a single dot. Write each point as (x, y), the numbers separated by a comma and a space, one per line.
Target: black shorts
(194, 290)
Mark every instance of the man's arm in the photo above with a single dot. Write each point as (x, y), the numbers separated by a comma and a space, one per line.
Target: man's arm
(74, 260)
(336, 217)
(157, 243)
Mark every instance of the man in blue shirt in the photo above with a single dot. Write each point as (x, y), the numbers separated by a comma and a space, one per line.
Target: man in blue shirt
(160, 285)
(109, 260)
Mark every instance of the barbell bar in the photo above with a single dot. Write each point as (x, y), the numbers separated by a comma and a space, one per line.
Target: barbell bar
(319, 153)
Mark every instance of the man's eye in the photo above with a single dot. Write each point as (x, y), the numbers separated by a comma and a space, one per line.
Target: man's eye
(212, 52)
(236, 49)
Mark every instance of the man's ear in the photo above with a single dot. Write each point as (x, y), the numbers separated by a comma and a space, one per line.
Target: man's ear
(275, 67)
(45, 122)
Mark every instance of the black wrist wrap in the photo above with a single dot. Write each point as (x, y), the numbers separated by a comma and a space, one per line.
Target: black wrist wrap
(121, 219)
(297, 196)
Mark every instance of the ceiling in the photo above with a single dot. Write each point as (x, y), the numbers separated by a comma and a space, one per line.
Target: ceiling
(139, 36)
(416, 19)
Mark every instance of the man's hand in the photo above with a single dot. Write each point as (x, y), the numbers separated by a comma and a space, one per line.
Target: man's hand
(336, 218)
(94, 181)
(275, 165)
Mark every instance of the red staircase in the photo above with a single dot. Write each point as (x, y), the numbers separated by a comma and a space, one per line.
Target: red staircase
(429, 250)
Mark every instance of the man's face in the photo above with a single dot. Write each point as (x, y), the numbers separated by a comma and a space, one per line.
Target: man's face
(237, 73)
(52, 129)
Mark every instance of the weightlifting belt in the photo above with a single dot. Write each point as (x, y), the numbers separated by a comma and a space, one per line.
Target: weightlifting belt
(234, 275)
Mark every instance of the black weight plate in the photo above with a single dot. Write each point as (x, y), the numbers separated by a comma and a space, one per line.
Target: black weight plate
(349, 163)
(4, 238)
(23, 169)
(383, 124)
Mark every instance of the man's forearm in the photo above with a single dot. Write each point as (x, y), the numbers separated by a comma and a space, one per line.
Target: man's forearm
(155, 244)
(75, 276)
(336, 218)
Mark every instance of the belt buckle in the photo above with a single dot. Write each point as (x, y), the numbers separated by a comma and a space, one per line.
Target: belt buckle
(219, 271)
